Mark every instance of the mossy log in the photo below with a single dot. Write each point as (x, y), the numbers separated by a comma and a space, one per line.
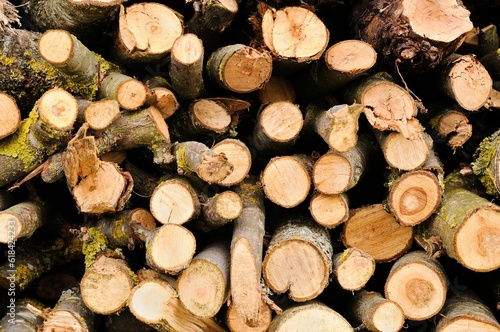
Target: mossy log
(19, 318)
(486, 163)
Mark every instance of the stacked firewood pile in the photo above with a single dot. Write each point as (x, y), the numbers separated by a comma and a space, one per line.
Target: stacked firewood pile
(231, 165)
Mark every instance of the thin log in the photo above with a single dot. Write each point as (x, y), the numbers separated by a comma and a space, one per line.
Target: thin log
(21, 220)
(100, 114)
(353, 268)
(452, 126)
(377, 313)
(127, 91)
(219, 210)
(160, 96)
(329, 210)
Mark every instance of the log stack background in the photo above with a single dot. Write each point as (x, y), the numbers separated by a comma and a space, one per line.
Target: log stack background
(249, 166)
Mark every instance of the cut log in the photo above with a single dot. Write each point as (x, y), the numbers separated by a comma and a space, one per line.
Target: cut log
(491, 62)
(238, 154)
(246, 254)
(375, 231)
(21, 220)
(465, 311)
(203, 286)
(186, 67)
(235, 323)
(388, 106)
(340, 64)
(10, 115)
(310, 316)
(353, 268)
(19, 318)
(377, 313)
(465, 225)
(218, 210)
(416, 33)
(465, 80)
(336, 172)
(493, 99)
(452, 126)
(418, 284)
(160, 96)
(239, 68)
(287, 180)
(100, 114)
(278, 88)
(298, 242)
(338, 125)
(146, 33)
(329, 210)
(278, 126)
(127, 91)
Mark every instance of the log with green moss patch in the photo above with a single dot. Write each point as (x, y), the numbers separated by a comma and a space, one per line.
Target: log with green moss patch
(486, 163)
(19, 318)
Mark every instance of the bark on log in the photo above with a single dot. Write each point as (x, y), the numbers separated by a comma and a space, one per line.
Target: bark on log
(236, 323)
(329, 210)
(353, 268)
(161, 97)
(219, 210)
(486, 163)
(377, 313)
(452, 126)
(21, 220)
(19, 318)
(491, 62)
(278, 88)
(10, 115)
(127, 91)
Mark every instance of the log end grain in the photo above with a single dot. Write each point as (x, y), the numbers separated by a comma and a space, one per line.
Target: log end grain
(211, 115)
(10, 115)
(329, 210)
(131, 94)
(58, 108)
(332, 173)
(101, 113)
(353, 269)
(405, 154)
(56, 47)
(235, 322)
(281, 121)
(350, 56)
(238, 154)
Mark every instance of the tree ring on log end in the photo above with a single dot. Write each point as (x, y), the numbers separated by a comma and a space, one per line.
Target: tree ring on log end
(332, 174)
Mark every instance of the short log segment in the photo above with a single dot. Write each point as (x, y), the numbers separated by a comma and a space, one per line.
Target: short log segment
(196, 157)
(377, 313)
(236, 323)
(203, 286)
(246, 253)
(310, 316)
(418, 284)
(388, 106)
(219, 210)
(166, 312)
(278, 126)
(416, 33)
(338, 125)
(287, 180)
(465, 80)
(107, 284)
(385, 241)
(452, 126)
(160, 96)
(239, 68)
(10, 115)
(238, 154)
(21, 220)
(329, 210)
(45, 131)
(146, 33)
(186, 67)
(19, 318)
(340, 64)
(100, 114)
(465, 225)
(465, 311)
(298, 242)
(486, 164)
(127, 91)
(353, 268)
(336, 172)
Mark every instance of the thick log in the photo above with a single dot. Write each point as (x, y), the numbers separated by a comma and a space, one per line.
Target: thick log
(377, 313)
(10, 115)
(238, 154)
(19, 318)
(486, 163)
(278, 88)
(21, 220)
(329, 210)
(353, 268)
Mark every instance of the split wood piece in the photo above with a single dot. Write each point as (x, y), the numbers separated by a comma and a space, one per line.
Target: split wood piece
(491, 62)
(287, 180)
(174, 201)
(169, 248)
(84, 20)
(100, 114)
(353, 268)
(19, 318)
(21, 220)
(246, 254)
(51, 285)
(203, 286)
(239, 68)
(278, 88)
(336, 172)
(10, 115)
(69, 313)
(278, 126)
(219, 210)
(465, 80)
(377, 313)
(146, 33)
(127, 91)
(201, 118)
(465, 225)
(46, 130)
(155, 302)
(403, 153)
(70, 56)
(385, 241)
(452, 126)
(486, 163)
(238, 154)
(125, 320)
(413, 196)
(329, 210)
(298, 242)
(465, 311)
(235, 322)
(418, 284)
(210, 19)
(186, 66)
(119, 228)
(416, 33)
(288, 38)
(311, 316)
(160, 96)
(106, 285)
(338, 125)
(388, 106)
(340, 64)
(493, 99)
(196, 157)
